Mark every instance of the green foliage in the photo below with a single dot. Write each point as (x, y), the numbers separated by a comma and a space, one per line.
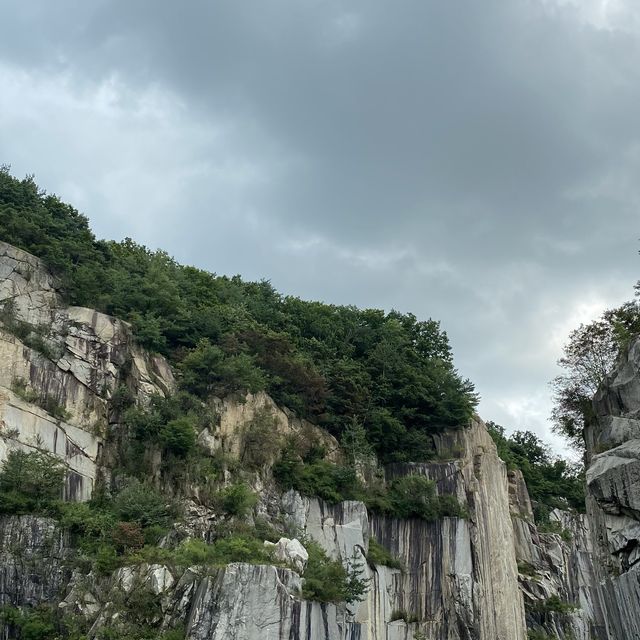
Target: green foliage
(138, 502)
(40, 623)
(391, 373)
(178, 436)
(327, 580)
(552, 482)
(30, 483)
(588, 356)
(379, 555)
(354, 443)
(415, 497)
(553, 526)
(237, 500)
(233, 548)
(527, 569)
(207, 369)
(322, 479)
(534, 634)
(171, 423)
(261, 442)
(553, 604)
(121, 399)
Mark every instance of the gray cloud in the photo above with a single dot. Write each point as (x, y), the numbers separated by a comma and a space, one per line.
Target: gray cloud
(474, 162)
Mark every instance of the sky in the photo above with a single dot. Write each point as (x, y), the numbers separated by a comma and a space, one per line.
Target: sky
(472, 162)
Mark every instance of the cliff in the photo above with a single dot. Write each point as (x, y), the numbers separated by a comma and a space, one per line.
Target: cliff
(486, 574)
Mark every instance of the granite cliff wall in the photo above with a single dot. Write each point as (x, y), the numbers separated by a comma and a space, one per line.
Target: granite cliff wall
(490, 575)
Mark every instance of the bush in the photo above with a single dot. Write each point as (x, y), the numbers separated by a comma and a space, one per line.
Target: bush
(237, 500)
(107, 560)
(326, 580)
(379, 555)
(261, 441)
(223, 551)
(121, 399)
(127, 536)
(207, 369)
(322, 479)
(30, 482)
(178, 436)
(140, 503)
(553, 605)
(415, 497)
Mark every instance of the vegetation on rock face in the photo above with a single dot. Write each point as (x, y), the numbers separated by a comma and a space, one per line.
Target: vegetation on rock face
(408, 497)
(326, 580)
(589, 356)
(30, 483)
(551, 482)
(49, 623)
(379, 555)
(390, 372)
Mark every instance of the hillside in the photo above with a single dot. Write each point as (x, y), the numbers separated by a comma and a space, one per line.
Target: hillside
(189, 456)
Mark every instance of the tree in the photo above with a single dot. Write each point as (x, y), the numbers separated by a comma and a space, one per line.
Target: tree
(589, 356)
(30, 482)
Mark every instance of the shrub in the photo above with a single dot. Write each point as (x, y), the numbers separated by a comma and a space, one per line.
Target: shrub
(127, 536)
(121, 399)
(415, 497)
(322, 479)
(261, 441)
(326, 580)
(140, 503)
(379, 555)
(553, 604)
(207, 369)
(237, 500)
(178, 436)
(223, 551)
(107, 560)
(30, 482)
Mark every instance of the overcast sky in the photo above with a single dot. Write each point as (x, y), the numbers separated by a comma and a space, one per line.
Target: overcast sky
(474, 162)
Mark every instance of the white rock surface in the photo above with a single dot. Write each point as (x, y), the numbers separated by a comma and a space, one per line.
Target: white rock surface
(89, 349)
(291, 552)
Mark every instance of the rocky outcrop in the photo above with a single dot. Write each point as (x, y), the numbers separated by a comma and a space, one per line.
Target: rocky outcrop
(460, 574)
(33, 567)
(255, 424)
(59, 367)
(581, 580)
(490, 575)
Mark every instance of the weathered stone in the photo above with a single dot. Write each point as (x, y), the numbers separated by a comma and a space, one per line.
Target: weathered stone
(32, 561)
(290, 552)
(77, 372)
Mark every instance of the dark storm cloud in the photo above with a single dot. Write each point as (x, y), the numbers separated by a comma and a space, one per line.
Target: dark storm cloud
(475, 162)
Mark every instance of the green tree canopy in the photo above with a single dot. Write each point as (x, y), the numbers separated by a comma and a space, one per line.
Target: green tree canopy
(389, 371)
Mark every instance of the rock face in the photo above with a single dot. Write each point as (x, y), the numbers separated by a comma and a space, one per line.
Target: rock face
(613, 504)
(460, 575)
(59, 366)
(491, 575)
(590, 563)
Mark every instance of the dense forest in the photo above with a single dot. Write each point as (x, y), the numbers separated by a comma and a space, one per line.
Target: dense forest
(388, 373)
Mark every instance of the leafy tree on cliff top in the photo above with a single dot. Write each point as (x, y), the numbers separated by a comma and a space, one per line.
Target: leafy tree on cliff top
(551, 481)
(589, 356)
(390, 372)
